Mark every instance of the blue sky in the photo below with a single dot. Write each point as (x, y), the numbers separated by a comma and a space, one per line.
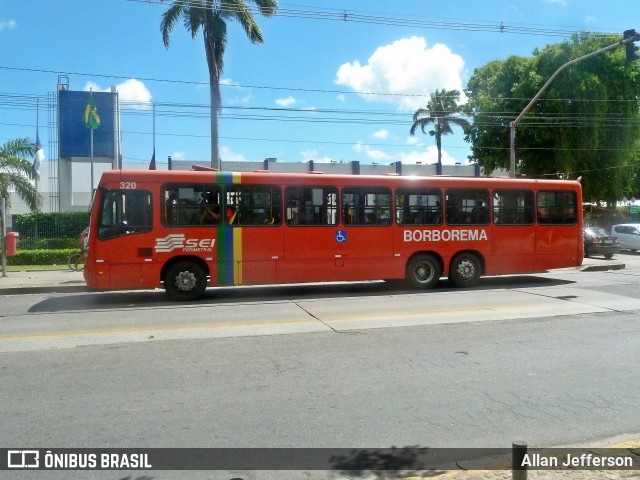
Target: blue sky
(298, 96)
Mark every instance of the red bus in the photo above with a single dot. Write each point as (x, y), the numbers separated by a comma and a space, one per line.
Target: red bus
(186, 230)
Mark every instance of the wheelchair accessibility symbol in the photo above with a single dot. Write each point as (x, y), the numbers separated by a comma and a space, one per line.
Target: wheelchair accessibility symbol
(341, 236)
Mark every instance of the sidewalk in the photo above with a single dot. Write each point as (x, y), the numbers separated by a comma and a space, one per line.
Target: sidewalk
(44, 281)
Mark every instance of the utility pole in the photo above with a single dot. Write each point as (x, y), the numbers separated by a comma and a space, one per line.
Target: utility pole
(630, 36)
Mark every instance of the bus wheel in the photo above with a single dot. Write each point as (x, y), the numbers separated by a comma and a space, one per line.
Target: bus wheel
(423, 272)
(465, 270)
(185, 281)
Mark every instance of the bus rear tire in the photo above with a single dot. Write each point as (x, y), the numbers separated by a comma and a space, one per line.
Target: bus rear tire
(465, 270)
(423, 272)
(185, 281)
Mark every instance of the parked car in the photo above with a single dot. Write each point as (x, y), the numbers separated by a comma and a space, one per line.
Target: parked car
(629, 235)
(598, 242)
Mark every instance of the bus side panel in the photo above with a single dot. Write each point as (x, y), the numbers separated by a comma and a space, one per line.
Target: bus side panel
(119, 265)
(310, 254)
(366, 253)
(558, 247)
(262, 250)
(513, 250)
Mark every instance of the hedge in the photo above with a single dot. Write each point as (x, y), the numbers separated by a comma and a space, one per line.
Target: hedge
(42, 257)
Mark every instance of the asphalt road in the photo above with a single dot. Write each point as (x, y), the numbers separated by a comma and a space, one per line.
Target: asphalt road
(548, 359)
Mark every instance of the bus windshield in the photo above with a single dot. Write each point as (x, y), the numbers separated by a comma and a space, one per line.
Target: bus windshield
(124, 212)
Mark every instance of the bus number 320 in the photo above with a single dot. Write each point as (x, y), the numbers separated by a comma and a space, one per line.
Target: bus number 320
(128, 185)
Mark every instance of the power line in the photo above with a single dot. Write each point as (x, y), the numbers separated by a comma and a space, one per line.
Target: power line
(386, 19)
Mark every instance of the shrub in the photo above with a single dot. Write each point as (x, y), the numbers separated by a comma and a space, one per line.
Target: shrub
(41, 257)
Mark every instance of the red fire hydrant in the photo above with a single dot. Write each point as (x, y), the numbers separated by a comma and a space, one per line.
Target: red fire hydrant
(11, 243)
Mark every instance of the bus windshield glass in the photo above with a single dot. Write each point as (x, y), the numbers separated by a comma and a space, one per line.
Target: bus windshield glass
(124, 212)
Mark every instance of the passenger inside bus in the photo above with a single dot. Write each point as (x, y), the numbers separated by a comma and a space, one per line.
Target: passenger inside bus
(231, 214)
(210, 210)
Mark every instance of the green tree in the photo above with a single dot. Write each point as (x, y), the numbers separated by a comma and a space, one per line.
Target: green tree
(16, 172)
(441, 111)
(586, 124)
(211, 17)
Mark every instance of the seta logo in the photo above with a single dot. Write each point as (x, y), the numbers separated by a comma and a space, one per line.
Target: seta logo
(177, 241)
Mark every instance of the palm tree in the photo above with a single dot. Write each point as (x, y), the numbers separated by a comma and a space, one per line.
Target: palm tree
(15, 173)
(440, 111)
(211, 16)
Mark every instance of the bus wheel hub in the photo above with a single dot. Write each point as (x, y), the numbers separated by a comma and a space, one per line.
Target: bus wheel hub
(466, 270)
(186, 281)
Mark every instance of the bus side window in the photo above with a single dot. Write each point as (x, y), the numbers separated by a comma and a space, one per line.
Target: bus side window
(185, 204)
(513, 207)
(366, 206)
(311, 205)
(418, 206)
(467, 206)
(252, 205)
(557, 207)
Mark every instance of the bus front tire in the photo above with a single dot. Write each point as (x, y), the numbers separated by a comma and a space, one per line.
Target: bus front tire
(185, 281)
(465, 270)
(423, 272)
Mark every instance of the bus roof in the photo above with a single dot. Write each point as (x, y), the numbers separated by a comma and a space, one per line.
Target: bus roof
(319, 178)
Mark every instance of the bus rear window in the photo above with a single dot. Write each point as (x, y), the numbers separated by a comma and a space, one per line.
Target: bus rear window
(124, 212)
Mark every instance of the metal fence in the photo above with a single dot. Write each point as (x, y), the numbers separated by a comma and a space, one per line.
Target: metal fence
(49, 231)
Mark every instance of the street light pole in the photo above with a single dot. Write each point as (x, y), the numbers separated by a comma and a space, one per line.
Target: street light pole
(514, 124)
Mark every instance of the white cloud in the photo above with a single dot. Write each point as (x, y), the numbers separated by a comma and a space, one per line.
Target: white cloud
(405, 67)
(8, 25)
(311, 154)
(132, 93)
(178, 156)
(341, 98)
(286, 102)
(372, 153)
(428, 156)
(381, 134)
(228, 156)
(239, 95)
(562, 3)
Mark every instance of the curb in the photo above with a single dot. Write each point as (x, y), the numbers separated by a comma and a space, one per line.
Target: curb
(50, 289)
(602, 268)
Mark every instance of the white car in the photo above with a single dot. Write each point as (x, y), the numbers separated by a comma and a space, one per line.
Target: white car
(629, 235)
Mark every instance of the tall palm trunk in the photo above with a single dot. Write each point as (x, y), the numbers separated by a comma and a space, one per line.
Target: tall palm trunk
(212, 52)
